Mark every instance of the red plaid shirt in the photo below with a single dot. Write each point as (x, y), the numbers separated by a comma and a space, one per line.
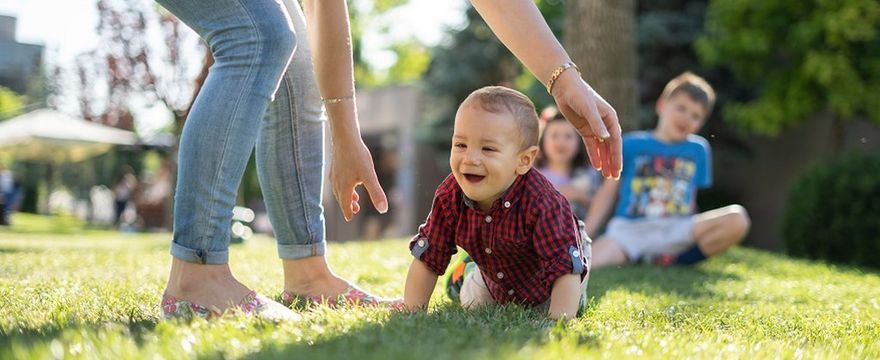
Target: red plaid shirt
(527, 240)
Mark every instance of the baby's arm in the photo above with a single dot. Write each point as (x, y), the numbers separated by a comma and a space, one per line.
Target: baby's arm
(420, 283)
(565, 297)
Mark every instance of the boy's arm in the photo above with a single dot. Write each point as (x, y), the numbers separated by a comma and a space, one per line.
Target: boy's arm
(420, 282)
(565, 297)
(601, 206)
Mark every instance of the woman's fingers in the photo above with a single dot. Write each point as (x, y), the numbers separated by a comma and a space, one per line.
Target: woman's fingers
(614, 143)
(592, 145)
(346, 208)
(377, 195)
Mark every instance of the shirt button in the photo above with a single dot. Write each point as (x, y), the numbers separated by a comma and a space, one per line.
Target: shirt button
(421, 243)
(488, 218)
(507, 204)
(500, 275)
(488, 251)
(510, 292)
(576, 253)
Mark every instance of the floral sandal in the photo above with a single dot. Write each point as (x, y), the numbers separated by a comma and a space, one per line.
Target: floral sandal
(351, 296)
(252, 304)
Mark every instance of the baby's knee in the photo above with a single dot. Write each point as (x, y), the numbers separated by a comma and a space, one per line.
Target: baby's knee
(474, 292)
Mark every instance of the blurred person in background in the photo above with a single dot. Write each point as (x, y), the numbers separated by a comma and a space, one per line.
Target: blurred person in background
(562, 160)
(6, 181)
(123, 192)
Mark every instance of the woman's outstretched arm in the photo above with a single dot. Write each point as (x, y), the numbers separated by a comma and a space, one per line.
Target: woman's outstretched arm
(351, 164)
(519, 25)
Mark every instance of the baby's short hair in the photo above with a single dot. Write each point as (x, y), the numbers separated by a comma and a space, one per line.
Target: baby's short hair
(694, 86)
(499, 99)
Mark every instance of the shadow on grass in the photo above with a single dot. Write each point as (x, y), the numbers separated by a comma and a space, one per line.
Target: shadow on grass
(136, 329)
(691, 282)
(16, 250)
(447, 332)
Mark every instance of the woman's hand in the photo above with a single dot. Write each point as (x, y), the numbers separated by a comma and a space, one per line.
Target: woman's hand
(350, 166)
(594, 119)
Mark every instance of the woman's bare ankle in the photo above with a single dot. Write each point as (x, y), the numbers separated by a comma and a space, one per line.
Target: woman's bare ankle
(312, 276)
(209, 285)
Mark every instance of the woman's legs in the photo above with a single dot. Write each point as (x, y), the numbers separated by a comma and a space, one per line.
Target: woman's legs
(252, 42)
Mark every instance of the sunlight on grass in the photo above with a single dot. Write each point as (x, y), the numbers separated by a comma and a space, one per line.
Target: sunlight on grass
(38, 224)
(88, 293)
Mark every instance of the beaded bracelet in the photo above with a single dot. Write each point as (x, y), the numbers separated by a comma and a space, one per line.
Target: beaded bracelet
(556, 73)
(330, 101)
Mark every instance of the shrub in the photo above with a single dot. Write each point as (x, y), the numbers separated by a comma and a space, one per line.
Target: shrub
(833, 212)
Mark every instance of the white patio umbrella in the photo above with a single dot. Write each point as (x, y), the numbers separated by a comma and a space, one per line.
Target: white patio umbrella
(52, 137)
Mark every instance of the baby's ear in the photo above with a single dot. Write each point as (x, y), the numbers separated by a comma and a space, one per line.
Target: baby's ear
(526, 159)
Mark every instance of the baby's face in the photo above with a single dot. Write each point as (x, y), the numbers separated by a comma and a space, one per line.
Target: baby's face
(680, 115)
(486, 153)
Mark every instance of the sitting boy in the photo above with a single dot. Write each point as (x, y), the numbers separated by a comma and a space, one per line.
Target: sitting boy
(527, 245)
(654, 221)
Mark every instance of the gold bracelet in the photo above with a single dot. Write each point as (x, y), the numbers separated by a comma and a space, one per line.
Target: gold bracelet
(558, 72)
(330, 101)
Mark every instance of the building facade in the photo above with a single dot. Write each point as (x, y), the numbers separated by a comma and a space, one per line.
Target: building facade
(20, 63)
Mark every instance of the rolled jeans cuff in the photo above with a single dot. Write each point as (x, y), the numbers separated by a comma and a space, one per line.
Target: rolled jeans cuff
(300, 251)
(214, 257)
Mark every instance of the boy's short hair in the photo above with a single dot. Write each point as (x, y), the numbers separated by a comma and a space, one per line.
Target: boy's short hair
(499, 99)
(694, 86)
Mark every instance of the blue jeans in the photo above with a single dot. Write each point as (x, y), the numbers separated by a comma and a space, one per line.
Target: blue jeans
(253, 44)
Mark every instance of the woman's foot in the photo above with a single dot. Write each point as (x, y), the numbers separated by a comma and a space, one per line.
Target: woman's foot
(212, 289)
(252, 304)
(351, 296)
(310, 281)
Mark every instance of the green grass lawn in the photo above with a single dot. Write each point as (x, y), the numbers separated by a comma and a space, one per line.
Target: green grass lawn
(94, 294)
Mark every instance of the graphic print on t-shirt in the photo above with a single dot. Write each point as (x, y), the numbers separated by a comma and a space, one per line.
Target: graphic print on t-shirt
(661, 179)
(661, 186)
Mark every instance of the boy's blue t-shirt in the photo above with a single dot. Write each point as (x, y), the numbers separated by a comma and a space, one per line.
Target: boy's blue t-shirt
(661, 179)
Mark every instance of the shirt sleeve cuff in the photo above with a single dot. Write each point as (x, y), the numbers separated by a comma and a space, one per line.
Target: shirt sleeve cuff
(570, 262)
(419, 248)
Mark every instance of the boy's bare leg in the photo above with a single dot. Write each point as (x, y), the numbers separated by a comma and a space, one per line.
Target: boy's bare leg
(607, 253)
(717, 230)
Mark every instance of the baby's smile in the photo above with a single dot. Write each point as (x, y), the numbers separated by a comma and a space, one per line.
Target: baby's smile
(474, 178)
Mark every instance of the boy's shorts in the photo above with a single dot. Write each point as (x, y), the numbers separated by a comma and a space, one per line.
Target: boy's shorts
(638, 237)
(472, 291)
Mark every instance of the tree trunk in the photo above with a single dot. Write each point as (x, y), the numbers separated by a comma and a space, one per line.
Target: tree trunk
(600, 36)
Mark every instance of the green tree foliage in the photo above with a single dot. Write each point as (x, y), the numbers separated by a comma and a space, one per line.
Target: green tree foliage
(11, 104)
(802, 57)
(412, 57)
